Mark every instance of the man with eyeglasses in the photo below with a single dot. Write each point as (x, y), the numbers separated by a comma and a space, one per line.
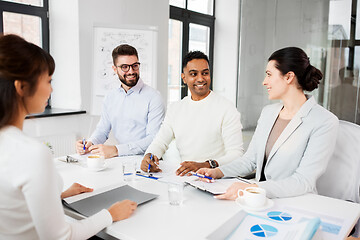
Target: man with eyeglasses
(134, 111)
(206, 126)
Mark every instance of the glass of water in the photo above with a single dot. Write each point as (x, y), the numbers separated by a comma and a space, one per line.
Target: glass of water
(176, 192)
(129, 170)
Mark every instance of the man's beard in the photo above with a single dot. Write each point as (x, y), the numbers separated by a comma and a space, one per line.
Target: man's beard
(129, 83)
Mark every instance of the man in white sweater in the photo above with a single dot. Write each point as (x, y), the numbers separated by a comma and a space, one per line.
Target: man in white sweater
(206, 126)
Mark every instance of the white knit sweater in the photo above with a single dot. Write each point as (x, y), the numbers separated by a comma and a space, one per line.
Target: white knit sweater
(205, 129)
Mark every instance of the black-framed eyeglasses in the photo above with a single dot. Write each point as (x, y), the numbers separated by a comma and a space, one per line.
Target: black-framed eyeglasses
(126, 67)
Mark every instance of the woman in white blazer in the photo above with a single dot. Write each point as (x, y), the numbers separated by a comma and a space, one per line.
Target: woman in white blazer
(30, 187)
(293, 140)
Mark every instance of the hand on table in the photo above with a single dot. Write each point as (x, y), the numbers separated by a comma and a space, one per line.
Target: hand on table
(232, 192)
(122, 210)
(80, 146)
(190, 166)
(75, 189)
(108, 151)
(154, 163)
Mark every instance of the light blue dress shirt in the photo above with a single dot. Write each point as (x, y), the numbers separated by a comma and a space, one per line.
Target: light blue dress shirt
(134, 117)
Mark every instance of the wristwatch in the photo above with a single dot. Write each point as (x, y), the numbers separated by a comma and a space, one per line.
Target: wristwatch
(213, 163)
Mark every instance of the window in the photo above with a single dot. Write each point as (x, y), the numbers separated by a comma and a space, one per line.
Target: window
(191, 27)
(343, 97)
(26, 18)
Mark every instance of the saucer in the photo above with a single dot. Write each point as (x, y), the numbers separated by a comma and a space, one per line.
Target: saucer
(96, 169)
(268, 204)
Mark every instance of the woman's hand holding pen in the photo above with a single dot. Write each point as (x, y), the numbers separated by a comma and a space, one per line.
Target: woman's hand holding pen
(154, 163)
(80, 146)
(215, 173)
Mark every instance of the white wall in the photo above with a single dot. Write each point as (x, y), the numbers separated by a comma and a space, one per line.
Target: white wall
(64, 47)
(226, 48)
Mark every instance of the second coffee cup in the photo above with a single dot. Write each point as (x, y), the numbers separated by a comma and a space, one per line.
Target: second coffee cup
(95, 162)
(253, 196)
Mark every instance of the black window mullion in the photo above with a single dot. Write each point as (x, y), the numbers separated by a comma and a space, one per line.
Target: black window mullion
(24, 9)
(1, 21)
(211, 53)
(185, 50)
(351, 43)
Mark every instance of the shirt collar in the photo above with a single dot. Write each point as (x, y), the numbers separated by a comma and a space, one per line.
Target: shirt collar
(137, 88)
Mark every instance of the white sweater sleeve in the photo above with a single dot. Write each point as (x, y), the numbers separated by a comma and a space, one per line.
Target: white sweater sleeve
(39, 183)
(164, 137)
(232, 136)
(246, 164)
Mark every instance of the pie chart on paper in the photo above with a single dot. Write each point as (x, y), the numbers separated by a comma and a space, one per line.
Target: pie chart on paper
(263, 230)
(279, 216)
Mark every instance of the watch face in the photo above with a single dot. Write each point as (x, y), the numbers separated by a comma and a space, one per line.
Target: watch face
(212, 163)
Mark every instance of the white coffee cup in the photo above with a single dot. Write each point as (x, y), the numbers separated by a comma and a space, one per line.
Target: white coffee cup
(95, 162)
(253, 196)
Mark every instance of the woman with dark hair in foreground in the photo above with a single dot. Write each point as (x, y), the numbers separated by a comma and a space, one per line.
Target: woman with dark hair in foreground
(30, 187)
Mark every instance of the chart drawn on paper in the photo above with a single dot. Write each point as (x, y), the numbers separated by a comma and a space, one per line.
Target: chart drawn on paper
(106, 39)
(279, 216)
(263, 230)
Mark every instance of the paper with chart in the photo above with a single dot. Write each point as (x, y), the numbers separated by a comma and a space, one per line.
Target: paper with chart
(256, 227)
(282, 222)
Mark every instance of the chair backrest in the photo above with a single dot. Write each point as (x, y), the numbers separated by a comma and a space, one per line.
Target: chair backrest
(342, 177)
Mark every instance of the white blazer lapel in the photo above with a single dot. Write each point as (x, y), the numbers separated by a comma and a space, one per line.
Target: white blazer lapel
(293, 125)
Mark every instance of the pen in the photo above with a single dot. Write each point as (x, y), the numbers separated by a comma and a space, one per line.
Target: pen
(84, 144)
(243, 180)
(151, 157)
(200, 175)
(147, 176)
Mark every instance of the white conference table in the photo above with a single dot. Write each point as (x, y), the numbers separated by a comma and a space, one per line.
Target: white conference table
(198, 216)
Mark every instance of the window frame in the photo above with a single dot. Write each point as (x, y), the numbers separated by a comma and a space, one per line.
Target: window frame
(187, 16)
(42, 12)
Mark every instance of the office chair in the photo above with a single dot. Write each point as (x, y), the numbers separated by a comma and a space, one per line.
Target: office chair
(342, 177)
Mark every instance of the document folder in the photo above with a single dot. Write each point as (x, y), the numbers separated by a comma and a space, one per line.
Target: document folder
(96, 203)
